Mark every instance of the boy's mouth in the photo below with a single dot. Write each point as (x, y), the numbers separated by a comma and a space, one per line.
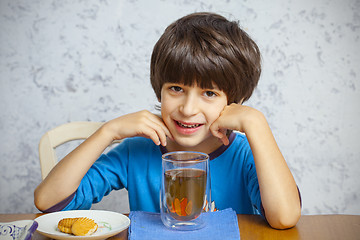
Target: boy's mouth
(188, 125)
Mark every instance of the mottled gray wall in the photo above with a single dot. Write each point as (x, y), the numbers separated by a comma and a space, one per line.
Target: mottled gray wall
(64, 61)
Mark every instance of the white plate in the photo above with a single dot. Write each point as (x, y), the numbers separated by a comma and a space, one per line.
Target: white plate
(109, 223)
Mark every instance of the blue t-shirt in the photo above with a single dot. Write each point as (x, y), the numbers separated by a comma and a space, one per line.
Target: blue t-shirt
(135, 164)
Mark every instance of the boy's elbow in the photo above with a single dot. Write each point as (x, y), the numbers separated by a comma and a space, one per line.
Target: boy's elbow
(285, 220)
(37, 201)
(40, 200)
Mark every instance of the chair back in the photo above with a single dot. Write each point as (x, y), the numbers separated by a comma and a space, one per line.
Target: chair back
(60, 135)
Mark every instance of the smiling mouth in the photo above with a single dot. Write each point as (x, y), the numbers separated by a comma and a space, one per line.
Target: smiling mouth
(183, 125)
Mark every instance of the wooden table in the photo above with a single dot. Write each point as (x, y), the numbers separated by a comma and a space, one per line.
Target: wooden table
(309, 227)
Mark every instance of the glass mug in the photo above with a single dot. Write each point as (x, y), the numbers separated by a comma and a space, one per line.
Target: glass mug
(185, 189)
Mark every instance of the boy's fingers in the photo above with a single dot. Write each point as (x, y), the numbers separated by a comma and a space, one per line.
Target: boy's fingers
(153, 135)
(221, 134)
(162, 137)
(225, 140)
(166, 131)
(160, 133)
(154, 128)
(160, 122)
(161, 130)
(223, 137)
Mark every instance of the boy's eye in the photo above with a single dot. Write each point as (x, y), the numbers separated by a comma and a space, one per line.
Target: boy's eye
(210, 94)
(176, 88)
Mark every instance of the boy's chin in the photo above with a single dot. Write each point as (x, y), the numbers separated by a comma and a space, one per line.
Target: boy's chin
(183, 144)
(189, 144)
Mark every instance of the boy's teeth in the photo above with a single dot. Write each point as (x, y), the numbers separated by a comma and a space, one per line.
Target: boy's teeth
(188, 126)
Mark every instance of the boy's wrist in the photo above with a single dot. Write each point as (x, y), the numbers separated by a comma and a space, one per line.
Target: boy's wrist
(254, 121)
(107, 132)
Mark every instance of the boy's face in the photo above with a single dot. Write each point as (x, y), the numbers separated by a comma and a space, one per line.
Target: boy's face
(188, 112)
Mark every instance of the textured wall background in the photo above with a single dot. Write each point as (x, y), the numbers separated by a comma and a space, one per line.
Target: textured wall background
(64, 61)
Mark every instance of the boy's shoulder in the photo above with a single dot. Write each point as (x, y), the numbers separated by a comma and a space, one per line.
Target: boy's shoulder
(240, 141)
(137, 142)
(239, 136)
(133, 146)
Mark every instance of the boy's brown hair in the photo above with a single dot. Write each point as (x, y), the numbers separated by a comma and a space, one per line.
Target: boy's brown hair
(206, 48)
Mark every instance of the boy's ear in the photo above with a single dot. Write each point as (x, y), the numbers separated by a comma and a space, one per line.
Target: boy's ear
(158, 107)
(239, 102)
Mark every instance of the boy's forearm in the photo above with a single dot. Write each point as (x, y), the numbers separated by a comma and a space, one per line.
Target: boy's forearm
(278, 189)
(65, 177)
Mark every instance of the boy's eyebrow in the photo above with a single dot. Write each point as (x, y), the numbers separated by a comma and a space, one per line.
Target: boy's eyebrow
(212, 87)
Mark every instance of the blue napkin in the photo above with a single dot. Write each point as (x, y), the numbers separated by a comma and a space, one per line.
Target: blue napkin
(219, 225)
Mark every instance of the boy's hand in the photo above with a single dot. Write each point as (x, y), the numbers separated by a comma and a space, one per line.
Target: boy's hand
(233, 117)
(143, 123)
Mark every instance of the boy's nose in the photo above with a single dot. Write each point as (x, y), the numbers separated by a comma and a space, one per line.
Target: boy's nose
(189, 106)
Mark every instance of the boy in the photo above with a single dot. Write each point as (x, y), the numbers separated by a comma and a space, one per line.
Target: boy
(202, 69)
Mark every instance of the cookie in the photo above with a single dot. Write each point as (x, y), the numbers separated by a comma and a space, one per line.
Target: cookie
(65, 224)
(84, 227)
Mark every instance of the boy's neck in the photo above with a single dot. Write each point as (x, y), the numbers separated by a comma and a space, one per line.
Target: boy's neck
(208, 146)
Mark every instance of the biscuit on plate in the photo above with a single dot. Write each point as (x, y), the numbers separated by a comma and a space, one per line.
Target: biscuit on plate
(65, 224)
(84, 227)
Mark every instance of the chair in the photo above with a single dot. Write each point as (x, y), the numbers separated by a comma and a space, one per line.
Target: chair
(60, 135)
(77, 131)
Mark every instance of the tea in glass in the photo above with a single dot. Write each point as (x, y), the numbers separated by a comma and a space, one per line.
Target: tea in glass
(185, 189)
